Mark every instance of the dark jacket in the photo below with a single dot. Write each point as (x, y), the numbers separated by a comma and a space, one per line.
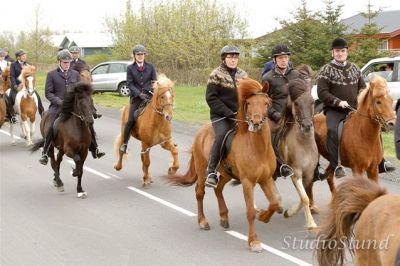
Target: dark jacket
(221, 93)
(75, 63)
(9, 59)
(278, 90)
(339, 83)
(57, 85)
(15, 71)
(397, 131)
(140, 81)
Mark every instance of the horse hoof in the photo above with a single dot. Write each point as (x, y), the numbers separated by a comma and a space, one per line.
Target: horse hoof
(204, 227)
(280, 210)
(82, 195)
(314, 210)
(224, 224)
(313, 229)
(286, 214)
(60, 189)
(117, 167)
(146, 184)
(172, 170)
(55, 183)
(255, 246)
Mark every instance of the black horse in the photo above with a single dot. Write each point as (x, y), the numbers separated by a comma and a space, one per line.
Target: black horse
(72, 133)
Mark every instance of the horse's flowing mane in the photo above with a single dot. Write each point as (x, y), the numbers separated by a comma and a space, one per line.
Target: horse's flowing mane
(81, 67)
(162, 82)
(68, 102)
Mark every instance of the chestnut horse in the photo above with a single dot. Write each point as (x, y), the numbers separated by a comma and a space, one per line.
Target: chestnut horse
(360, 147)
(363, 204)
(26, 103)
(72, 135)
(251, 158)
(297, 143)
(153, 127)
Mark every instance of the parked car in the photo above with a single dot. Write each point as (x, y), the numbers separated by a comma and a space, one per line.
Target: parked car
(111, 76)
(381, 67)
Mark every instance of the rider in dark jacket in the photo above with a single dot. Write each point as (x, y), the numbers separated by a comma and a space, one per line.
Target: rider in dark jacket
(139, 76)
(15, 71)
(57, 83)
(222, 98)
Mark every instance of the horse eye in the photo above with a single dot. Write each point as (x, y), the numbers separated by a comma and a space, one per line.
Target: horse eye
(378, 102)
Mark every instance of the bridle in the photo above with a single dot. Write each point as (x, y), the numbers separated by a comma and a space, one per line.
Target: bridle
(247, 119)
(160, 110)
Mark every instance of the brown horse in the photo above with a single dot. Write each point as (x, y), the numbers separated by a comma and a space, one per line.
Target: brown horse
(26, 103)
(251, 158)
(73, 135)
(153, 127)
(376, 216)
(297, 143)
(360, 147)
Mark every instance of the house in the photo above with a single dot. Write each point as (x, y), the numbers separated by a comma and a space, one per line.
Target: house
(387, 21)
(90, 43)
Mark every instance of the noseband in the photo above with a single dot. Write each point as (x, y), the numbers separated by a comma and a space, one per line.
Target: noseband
(245, 110)
(160, 110)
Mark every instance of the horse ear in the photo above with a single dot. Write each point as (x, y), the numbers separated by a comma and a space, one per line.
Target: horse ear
(265, 87)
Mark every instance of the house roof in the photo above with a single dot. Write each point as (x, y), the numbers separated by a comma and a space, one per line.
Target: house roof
(83, 40)
(387, 20)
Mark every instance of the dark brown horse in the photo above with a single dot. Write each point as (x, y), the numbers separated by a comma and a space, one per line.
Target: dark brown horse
(73, 136)
(153, 127)
(3, 108)
(360, 147)
(297, 143)
(361, 204)
(251, 158)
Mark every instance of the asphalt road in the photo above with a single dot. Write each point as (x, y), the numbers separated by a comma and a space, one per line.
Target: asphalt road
(121, 223)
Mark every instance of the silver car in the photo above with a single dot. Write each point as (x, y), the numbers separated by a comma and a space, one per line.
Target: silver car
(111, 76)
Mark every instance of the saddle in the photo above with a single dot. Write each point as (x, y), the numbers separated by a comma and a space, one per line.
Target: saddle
(138, 112)
(225, 148)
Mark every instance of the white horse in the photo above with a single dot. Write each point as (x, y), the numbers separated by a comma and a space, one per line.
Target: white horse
(25, 105)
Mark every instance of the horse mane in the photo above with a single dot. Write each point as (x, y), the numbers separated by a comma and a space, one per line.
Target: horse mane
(81, 67)
(305, 70)
(28, 70)
(69, 97)
(162, 82)
(247, 88)
(377, 85)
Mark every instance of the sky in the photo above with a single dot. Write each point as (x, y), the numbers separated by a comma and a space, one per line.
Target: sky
(89, 16)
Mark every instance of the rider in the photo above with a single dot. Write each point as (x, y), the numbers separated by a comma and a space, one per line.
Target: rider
(78, 64)
(57, 83)
(7, 55)
(222, 98)
(278, 79)
(15, 72)
(139, 76)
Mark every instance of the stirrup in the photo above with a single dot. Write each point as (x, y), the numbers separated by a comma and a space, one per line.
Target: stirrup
(288, 168)
(97, 154)
(339, 172)
(212, 180)
(13, 119)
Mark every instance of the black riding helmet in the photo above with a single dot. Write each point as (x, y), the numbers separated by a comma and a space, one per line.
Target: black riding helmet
(280, 49)
(64, 55)
(20, 52)
(339, 43)
(229, 49)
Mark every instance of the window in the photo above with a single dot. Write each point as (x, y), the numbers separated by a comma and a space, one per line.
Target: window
(117, 68)
(100, 70)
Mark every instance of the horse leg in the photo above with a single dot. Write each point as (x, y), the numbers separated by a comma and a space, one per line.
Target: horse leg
(304, 201)
(331, 183)
(172, 148)
(81, 194)
(200, 192)
(372, 173)
(279, 198)
(269, 190)
(27, 132)
(32, 130)
(253, 242)
(55, 164)
(145, 156)
(12, 133)
(223, 209)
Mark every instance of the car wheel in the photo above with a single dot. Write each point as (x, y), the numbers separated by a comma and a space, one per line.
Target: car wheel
(123, 89)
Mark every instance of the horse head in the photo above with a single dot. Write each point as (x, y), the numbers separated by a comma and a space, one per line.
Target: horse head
(376, 101)
(84, 72)
(78, 102)
(163, 97)
(301, 104)
(253, 103)
(27, 78)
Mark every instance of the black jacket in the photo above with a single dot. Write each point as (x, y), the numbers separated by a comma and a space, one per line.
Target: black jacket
(15, 71)
(140, 81)
(74, 64)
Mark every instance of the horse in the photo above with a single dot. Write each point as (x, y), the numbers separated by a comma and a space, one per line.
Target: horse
(360, 146)
(72, 135)
(251, 159)
(25, 105)
(297, 144)
(363, 204)
(3, 107)
(153, 127)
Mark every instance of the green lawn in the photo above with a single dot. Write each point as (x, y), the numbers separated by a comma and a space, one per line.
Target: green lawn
(190, 107)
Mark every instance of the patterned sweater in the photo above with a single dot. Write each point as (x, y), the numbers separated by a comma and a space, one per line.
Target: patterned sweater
(221, 94)
(339, 83)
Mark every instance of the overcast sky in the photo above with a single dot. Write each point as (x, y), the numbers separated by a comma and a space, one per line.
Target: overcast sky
(88, 16)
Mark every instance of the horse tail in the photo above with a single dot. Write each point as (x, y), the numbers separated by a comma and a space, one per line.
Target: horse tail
(37, 146)
(187, 179)
(352, 197)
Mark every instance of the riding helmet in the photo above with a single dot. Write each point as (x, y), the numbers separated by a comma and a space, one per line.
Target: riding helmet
(280, 49)
(139, 49)
(2, 53)
(339, 43)
(64, 55)
(74, 49)
(20, 52)
(229, 49)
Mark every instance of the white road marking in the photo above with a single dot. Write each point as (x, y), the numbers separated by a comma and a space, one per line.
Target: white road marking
(91, 170)
(272, 250)
(8, 134)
